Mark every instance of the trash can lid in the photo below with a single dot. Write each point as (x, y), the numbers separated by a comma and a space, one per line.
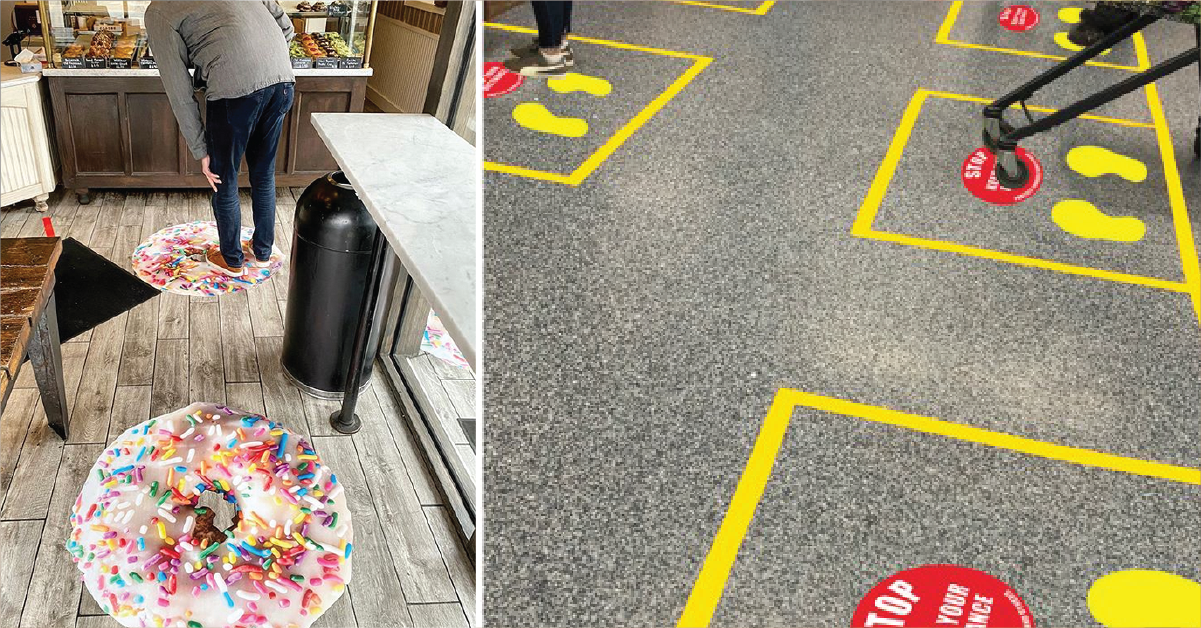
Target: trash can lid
(330, 214)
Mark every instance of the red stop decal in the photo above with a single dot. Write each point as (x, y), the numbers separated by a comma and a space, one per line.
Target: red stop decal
(1019, 18)
(498, 81)
(980, 177)
(942, 595)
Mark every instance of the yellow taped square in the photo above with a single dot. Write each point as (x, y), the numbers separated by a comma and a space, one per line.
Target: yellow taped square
(594, 160)
(863, 228)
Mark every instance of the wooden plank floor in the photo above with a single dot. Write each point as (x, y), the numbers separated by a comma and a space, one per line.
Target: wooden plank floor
(410, 567)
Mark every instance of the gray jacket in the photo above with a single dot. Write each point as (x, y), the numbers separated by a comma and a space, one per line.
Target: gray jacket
(235, 48)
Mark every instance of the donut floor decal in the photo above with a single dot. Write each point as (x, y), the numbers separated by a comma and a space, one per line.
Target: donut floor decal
(151, 557)
(172, 260)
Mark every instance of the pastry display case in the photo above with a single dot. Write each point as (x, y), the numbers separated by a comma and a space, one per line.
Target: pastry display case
(95, 35)
(111, 35)
(114, 125)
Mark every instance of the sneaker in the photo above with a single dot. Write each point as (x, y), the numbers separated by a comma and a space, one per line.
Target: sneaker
(217, 262)
(1097, 23)
(539, 65)
(253, 259)
(1085, 34)
(532, 49)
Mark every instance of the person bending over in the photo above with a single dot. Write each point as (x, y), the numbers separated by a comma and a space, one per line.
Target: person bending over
(238, 52)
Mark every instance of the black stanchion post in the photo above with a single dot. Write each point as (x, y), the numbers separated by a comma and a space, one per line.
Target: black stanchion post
(345, 420)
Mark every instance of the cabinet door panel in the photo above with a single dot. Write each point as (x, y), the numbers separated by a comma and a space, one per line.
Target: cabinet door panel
(311, 154)
(96, 132)
(17, 162)
(153, 134)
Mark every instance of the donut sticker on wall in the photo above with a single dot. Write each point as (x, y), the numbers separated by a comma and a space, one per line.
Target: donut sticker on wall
(150, 556)
(172, 260)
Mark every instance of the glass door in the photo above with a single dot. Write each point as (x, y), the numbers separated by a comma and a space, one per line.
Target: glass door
(420, 356)
(424, 364)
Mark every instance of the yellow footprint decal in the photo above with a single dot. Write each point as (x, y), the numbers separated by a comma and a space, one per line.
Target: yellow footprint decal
(1094, 161)
(1071, 15)
(574, 82)
(534, 116)
(1139, 598)
(1081, 218)
(1062, 40)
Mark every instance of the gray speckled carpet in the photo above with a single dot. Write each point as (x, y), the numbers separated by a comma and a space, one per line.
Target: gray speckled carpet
(639, 324)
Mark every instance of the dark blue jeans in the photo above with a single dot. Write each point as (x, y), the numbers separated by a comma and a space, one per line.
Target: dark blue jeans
(554, 19)
(248, 126)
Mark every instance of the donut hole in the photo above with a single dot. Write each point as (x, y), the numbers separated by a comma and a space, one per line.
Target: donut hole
(215, 515)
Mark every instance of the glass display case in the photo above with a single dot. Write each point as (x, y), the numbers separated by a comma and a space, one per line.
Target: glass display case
(95, 34)
(111, 35)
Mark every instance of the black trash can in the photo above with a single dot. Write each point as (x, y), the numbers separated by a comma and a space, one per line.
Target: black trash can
(331, 255)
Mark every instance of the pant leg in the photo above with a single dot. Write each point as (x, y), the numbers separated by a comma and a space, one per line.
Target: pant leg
(260, 163)
(566, 17)
(549, 16)
(227, 127)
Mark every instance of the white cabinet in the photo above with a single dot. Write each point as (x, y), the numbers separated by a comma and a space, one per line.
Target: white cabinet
(26, 164)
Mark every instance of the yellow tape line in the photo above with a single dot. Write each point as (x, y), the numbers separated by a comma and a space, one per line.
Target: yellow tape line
(594, 161)
(1086, 116)
(1180, 219)
(1032, 262)
(762, 9)
(711, 581)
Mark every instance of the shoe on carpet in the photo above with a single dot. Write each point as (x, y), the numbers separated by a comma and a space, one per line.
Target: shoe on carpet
(217, 262)
(539, 65)
(1097, 23)
(1085, 34)
(532, 49)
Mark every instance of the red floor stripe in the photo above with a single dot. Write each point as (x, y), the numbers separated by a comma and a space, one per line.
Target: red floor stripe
(48, 226)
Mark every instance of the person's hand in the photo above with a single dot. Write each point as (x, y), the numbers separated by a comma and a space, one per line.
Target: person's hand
(209, 174)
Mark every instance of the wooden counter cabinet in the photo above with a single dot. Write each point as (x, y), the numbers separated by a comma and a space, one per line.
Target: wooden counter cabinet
(118, 131)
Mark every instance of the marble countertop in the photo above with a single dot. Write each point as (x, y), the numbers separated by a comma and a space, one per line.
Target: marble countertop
(11, 75)
(419, 180)
(154, 72)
